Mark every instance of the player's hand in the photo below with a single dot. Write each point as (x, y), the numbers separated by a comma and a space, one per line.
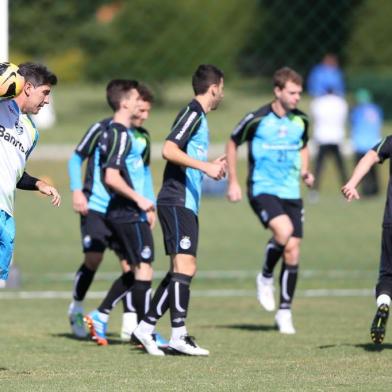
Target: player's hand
(49, 190)
(234, 193)
(145, 204)
(350, 192)
(151, 218)
(217, 168)
(79, 202)
(308, 179)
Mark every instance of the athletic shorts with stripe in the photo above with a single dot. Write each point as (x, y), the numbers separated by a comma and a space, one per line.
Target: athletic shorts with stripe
(267, 207)
(180, 227)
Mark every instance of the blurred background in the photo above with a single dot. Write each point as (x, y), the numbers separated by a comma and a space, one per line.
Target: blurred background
(87, 43)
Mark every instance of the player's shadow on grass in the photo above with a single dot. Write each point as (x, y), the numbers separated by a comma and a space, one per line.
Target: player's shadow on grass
(113, 339)
(249, 327)
(371, 347)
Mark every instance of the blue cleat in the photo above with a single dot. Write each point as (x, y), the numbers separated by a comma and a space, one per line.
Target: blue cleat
(96, 327)
(160, 340)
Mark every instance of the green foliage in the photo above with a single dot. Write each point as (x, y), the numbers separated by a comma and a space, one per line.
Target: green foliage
(152, 41)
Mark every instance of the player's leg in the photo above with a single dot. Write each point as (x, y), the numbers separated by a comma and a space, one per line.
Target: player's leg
(289, 270)
(7, 237)
(383, 289)
(320, 158)
(95, 234)
(340, 164)
(272, 215)
(127, 244)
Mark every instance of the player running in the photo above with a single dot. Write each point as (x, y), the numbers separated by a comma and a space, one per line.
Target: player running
(277, 136)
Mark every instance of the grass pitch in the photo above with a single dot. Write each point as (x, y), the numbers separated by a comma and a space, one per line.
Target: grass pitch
(331, 350)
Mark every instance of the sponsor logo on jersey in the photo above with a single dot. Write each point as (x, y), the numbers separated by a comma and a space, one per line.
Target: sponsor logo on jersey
(146, 252)
(11, 139)
(185, 243)
(282, 131)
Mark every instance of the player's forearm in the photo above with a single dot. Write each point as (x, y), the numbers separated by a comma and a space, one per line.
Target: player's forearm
(305, 160)
(231, 158)
(172, 153)
(114, 181)
(363, 167)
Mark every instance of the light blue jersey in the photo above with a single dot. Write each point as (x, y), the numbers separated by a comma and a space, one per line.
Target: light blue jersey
(274, 151)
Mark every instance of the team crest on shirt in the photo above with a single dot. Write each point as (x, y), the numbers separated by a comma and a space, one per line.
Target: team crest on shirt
(282, 131)
(185, 242)
(87, 241)
(18, 128)
(146, 252)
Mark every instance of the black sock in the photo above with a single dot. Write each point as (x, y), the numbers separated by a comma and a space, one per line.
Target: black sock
(82, 282)
(273, 252)
(179, 294)
(118, 290)
(128, 306)
(288, 281)
(141, 297)
(159, 302)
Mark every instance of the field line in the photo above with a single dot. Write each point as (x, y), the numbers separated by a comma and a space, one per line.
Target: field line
(312, 293)
(223, 275)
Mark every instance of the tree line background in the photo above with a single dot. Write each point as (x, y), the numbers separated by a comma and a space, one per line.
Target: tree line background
(157, 40)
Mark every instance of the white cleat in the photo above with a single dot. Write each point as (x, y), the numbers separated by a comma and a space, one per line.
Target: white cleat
(187, 345)
(75, 317)
(148, 343)
(129, 324)
(265, 292)
(284, 321)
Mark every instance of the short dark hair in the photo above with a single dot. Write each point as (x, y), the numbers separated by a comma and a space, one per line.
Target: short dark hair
(285, 74)
(117, 89)
(37, 74)
(145, 93)
(204, 77)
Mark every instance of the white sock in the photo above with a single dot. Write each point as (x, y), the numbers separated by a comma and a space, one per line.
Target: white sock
(268, 281)
(383, 299)
(144, 327)
(177, 333)
(103, 317)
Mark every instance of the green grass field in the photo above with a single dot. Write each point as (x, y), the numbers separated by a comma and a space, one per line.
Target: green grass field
(331, 350)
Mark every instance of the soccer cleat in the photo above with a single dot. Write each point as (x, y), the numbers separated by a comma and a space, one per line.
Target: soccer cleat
(187, 345)
(96, 327)
(160, 340)
(284, 321)
(377, 330)
(265, 293)
(75, 317)
(129, 323)
(148, 342)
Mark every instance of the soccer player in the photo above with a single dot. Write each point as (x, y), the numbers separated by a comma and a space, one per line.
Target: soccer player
(18, 137)
(185, 149)
(91, 201)
(277, 136)
(129, 213)
(378, 154)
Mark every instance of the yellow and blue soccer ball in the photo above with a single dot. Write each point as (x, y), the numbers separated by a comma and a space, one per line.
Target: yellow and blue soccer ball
(11, 81)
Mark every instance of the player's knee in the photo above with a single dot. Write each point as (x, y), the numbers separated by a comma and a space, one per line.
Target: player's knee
(93, 260)
(143, 271)
(291, 255)
(283, 235)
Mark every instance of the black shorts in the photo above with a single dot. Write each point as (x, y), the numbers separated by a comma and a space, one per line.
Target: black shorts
(96, 234)
(180, 227)
(267, 207)
(135, 241)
